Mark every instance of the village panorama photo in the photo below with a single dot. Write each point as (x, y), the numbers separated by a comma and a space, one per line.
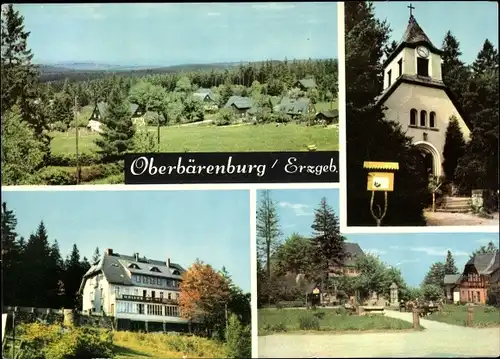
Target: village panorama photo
(126, 274)
(84, 84)
(422, 105)
(322, 294)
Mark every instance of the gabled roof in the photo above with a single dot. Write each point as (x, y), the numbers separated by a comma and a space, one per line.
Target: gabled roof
(294, 106)
(353, 251)
(485, 263)
(202, 95)
(307, 83)
(329, 113)
(103, 106)
(452, 278)
(423, 81)
(239, 102)
(116, 267)
(413, 37)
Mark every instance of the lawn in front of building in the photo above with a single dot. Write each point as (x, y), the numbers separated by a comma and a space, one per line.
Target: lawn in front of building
(483, 316)
(327, 320)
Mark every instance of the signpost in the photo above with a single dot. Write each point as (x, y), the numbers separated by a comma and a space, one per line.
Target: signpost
(380, 179)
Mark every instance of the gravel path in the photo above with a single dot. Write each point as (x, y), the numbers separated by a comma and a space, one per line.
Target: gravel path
(437, 340)
(458, 219)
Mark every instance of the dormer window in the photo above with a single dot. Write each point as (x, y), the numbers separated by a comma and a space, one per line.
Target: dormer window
(176, 272)
(133, 266)
(155, 269)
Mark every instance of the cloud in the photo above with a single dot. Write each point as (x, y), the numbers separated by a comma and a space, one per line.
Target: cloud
(404, 261)
(438, 251)
(298, 208)
(289, 225)
(393, 247)
(375, 251)
(213, 14)
(273, 6)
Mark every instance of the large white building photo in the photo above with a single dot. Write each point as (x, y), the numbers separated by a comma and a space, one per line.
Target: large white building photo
(140, 293)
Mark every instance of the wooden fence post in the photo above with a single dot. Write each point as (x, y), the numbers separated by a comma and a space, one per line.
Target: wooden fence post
(470, 316)
(416, 318)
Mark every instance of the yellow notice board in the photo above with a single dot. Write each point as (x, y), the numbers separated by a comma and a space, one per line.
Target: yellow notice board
(315, 291)
(381, 181)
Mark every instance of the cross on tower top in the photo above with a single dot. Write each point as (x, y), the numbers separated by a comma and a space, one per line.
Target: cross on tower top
(411, 9)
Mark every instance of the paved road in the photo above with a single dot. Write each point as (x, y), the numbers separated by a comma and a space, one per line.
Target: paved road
(438, 340)
(458, 219)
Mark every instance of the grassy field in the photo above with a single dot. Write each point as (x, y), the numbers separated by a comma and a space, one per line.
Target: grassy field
(323, 106)
(269, 137)
(484, 316)
(293, 320)
(160, 346)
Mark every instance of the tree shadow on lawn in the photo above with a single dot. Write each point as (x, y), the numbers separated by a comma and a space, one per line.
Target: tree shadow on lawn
(129, 353)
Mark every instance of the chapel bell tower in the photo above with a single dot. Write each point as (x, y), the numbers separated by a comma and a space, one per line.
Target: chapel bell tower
(415, 56)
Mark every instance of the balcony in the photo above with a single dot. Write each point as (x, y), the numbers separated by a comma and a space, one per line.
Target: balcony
(138, 298)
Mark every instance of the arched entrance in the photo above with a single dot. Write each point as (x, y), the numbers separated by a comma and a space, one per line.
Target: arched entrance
(431, 157)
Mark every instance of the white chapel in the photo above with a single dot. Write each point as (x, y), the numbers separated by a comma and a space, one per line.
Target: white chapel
(416, 97)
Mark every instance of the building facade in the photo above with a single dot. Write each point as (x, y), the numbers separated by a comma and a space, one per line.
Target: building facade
(415, 96)
(140, 293)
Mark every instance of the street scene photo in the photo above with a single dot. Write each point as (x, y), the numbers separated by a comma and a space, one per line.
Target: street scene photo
(323, 294)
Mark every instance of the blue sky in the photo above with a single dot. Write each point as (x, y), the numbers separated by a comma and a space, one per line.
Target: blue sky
(296, 207)
(167, 34)
(471, 22)
(412, 253)
(182, 225)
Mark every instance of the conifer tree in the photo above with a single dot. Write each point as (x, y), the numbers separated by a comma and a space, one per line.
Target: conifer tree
(449, 264)
(117, 137)
(454, 148)
(369, 136)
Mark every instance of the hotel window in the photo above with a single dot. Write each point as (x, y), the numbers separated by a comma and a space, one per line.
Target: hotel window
(423, 118)
(432, 119)
(389, 73)
(177, 296)
(169, 296)
(161, 295)
(413, 117)
(400, 67)
(136, 291)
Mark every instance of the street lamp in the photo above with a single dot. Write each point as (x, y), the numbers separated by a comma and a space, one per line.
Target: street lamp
(380, 181)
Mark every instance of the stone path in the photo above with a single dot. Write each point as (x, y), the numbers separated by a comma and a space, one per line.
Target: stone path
(437, 340)
(458, 219)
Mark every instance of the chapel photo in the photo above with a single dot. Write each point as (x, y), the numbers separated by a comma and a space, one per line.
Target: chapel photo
(421, 107)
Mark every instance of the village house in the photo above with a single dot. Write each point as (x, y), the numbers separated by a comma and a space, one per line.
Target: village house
(295, 107)
(415, 96)
(140, 293)
(139, 115)
(305, 84)
(328, 117)
(208, 99)
(480, 274)
(242, 105)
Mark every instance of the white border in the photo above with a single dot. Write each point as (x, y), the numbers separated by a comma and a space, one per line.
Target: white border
(343, 163)
(342, 118)
(173, 187)
(253, 273)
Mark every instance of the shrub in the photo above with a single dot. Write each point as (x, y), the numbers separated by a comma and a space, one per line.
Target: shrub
(53, 342)
(69, 160)
(319, 315)
(59, 126)
(279, 328)
(225, 117)
(279, 305)
(238, 338)
(493, 297)
(95, 172)
(308, 322)
(57, 176)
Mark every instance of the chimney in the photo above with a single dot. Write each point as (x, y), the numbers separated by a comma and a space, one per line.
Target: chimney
(108, 251)
(136, 255)
(168, 262)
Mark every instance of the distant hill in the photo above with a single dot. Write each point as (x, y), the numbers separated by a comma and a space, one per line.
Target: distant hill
(79, 71)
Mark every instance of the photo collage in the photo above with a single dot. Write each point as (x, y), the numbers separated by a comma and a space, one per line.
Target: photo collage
(250, 180)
